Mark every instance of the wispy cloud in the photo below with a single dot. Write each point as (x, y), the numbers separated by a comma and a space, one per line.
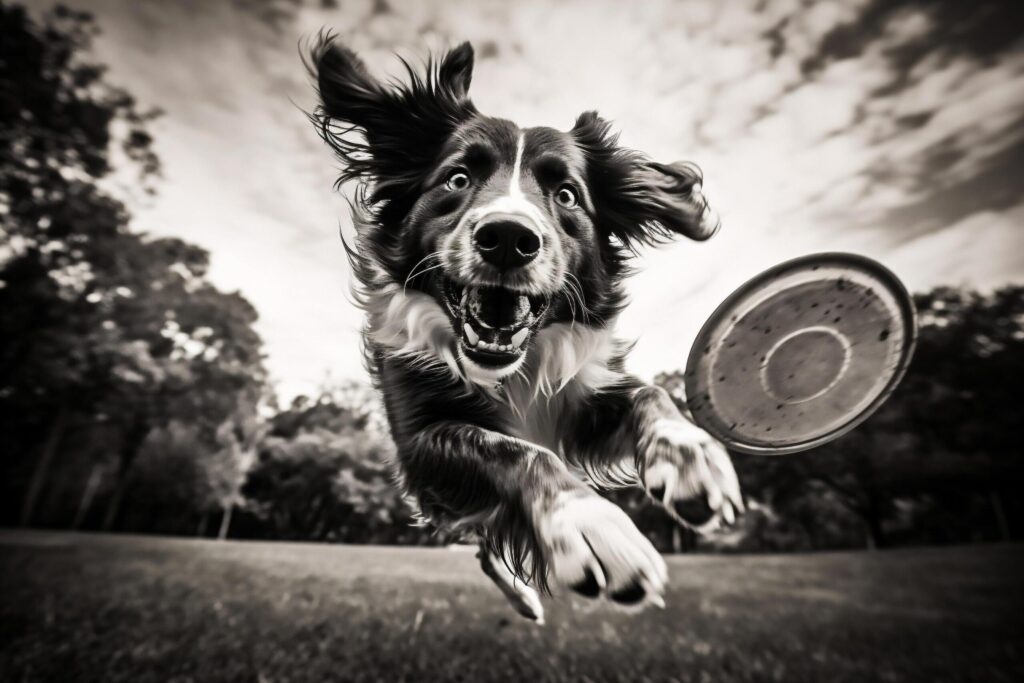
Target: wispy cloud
(891, 129)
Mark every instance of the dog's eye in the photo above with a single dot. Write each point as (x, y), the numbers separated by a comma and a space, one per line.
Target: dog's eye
(457, 180)
(566, 196)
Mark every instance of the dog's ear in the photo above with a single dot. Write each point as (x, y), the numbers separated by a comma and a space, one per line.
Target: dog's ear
(639, 200)
(348, 92)
(402, 125)
(456, 71)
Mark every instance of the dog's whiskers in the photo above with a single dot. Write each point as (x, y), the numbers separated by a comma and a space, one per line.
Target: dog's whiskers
(588, 314)
(414, 273)
(569, 300)
(574, 295)
(421, 272)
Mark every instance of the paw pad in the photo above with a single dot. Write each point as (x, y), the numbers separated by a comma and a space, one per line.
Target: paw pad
(694, 511)
(589, 586)
(630, 595)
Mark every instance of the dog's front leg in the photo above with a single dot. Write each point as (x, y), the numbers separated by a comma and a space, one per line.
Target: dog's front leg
(633, 433)
(682, 466)
(532, 513)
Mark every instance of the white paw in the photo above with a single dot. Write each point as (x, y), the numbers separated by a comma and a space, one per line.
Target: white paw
(594, 548)
(690, 473)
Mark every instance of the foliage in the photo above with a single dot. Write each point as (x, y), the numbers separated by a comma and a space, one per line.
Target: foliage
(98, 324)
(323, 473)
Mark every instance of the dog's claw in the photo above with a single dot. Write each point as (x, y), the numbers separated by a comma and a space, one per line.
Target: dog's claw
(522, 597)
(728, 513)
(529, 606)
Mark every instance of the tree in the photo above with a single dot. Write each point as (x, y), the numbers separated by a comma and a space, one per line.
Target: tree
(322, 473)
(56, 118)
(197, 358)
(98, 324)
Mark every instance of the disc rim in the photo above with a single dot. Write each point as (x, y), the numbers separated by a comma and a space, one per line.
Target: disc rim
(873, 268)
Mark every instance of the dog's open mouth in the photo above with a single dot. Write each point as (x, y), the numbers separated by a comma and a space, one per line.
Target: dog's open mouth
(495, 323)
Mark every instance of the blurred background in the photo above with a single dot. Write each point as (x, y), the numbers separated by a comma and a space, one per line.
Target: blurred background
(179, 353)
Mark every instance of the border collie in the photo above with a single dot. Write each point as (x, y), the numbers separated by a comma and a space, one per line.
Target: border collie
(490, 262)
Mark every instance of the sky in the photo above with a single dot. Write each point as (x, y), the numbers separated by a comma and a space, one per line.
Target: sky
(890, 129)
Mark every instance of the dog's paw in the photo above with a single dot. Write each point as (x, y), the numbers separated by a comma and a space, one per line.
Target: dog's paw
(690, 473)
(594, 548)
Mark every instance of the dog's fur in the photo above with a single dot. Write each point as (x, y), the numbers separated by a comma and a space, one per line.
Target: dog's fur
(489, 434)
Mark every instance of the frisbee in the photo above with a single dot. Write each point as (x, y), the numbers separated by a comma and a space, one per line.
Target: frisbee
(801, 354)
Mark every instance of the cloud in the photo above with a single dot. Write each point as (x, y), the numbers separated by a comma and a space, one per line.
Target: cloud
(892, 131)
(976, 251)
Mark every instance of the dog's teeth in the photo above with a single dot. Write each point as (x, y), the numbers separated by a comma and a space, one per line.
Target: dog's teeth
(472, 336)
(519, 337)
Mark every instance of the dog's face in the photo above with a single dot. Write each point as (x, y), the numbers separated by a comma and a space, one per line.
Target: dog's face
(509, 229)
(506, 217)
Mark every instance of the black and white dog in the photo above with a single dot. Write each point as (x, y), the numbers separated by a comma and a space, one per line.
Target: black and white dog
(490, 261)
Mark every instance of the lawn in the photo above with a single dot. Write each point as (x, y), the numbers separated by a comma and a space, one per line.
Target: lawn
(121, 608)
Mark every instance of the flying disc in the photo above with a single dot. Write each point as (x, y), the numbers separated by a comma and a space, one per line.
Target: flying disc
(801, 354)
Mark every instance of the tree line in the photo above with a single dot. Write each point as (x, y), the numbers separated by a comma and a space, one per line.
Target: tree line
(134, 397)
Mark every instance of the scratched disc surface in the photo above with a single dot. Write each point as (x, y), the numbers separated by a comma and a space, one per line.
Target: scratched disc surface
(801, 354)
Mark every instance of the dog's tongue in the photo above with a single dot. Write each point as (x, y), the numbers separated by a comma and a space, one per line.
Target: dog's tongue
(498, 308)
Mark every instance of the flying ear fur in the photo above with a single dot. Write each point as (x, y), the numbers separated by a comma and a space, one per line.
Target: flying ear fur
(456, 70)
(641, 201)
(388, 135)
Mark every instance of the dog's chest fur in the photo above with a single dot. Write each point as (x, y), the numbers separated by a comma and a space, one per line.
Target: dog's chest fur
(543, 420)
(565, 364)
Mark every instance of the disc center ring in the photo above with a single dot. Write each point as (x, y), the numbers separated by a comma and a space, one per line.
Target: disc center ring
(804, 364)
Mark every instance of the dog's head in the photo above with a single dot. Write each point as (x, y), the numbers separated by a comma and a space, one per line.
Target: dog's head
(509, 229)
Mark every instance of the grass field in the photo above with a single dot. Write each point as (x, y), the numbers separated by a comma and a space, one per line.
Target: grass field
(118, 608)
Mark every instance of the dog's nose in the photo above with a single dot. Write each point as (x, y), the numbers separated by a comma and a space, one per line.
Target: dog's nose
(506, 244)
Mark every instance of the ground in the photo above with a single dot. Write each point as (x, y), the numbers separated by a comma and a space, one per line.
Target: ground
(121, 608)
